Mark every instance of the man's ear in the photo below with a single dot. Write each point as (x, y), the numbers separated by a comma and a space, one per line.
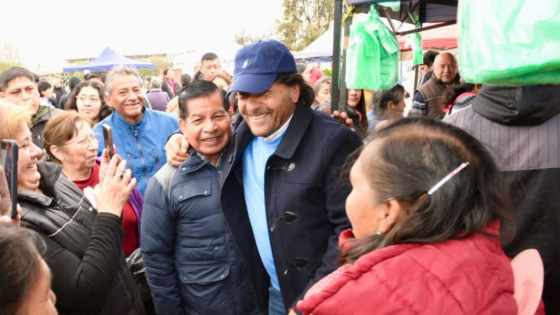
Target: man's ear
(392, 210)
(57, 152)
(108, 100)
(183, 125)
(294, 93)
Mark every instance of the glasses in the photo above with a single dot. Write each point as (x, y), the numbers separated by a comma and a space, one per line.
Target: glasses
(92, 99)
(86, 141)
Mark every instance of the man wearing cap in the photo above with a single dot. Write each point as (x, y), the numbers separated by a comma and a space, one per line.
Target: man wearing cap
(283, 194)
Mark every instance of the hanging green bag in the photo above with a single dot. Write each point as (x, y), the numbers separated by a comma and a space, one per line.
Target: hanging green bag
(509, 42)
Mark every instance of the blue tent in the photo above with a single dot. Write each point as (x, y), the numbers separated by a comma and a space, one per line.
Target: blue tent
(107, 60)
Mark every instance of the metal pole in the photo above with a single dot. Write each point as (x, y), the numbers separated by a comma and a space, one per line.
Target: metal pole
(343, 88)
(335, 92)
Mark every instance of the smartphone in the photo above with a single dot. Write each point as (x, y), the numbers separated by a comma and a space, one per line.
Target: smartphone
(108, 138)
(9, 164)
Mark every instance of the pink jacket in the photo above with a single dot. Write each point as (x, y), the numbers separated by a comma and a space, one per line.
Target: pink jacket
(468, 276)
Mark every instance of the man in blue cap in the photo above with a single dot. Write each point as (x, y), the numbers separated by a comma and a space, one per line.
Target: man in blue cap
(283, 195)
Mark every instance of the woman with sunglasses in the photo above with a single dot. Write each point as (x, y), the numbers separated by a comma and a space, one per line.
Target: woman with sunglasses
(83, 233)
(70, 142)
(87, 99)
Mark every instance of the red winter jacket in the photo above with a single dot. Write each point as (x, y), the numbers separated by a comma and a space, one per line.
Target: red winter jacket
(468, 276)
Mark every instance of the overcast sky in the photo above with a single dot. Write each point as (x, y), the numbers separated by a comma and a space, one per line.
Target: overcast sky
(48, 32)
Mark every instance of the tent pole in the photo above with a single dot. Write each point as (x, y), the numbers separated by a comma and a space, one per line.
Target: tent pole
(336, 79)
(343, 87)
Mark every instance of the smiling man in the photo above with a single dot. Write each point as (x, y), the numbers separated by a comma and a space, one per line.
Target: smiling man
(139, 134)
(192, 263)
(17, 86)
(428, 98)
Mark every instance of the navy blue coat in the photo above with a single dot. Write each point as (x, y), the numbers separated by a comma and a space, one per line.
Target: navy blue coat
(303, 176)
(192, 263)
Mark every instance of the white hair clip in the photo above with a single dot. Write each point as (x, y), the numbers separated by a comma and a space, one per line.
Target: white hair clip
(448, 177)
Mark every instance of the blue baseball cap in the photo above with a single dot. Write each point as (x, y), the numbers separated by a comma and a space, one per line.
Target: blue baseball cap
(257, 65)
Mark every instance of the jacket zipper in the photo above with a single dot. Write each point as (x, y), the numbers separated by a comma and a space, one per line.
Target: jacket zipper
(157, 159)
(227, 223)
(141, 156)
(130, 164)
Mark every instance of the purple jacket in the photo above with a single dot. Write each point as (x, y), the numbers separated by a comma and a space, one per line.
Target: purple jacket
(158, 99)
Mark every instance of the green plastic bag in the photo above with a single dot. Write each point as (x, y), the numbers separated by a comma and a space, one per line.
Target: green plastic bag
(372, 55)
(509, 42)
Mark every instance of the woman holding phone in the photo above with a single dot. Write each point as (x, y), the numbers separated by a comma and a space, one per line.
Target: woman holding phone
(70, 142)
(84, 243)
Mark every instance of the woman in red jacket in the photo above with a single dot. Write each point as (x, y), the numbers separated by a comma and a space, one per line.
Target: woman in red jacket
(426, 210)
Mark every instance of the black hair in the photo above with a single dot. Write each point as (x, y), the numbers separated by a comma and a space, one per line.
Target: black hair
(71, 103)
(73, 82)
(195, 90)
(291, 79)
(20, 249)
(208, 56)
(13, 73)
(452, 92)
(430, 57)
(43, 86)
(382, 98)
(96, 74)
(406, 159)
(362, 125)
(185, 79)
(37, 78)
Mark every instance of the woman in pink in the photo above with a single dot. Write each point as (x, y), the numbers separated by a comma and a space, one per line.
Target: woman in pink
(426, 209)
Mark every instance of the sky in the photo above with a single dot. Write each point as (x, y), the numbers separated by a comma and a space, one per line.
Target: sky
(49, 32)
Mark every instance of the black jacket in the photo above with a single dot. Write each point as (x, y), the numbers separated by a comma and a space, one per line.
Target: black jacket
(85, 256)
(520, 126)
(303, 176)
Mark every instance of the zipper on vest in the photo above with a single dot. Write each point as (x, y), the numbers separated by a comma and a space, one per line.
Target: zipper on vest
(141, 156)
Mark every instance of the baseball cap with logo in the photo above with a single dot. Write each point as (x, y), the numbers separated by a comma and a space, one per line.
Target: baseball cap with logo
(257, 66)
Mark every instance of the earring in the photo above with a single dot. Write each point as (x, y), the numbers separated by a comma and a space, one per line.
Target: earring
(377, 233)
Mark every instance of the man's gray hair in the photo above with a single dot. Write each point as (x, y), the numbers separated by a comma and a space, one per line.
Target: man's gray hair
(121, 70)
(156, 83)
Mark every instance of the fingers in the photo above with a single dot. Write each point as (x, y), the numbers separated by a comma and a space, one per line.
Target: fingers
(184, 145)
(344, 115)
(112, 168)
(105, 156)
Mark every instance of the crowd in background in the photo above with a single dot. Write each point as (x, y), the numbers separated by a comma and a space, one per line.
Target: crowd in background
(247, 195)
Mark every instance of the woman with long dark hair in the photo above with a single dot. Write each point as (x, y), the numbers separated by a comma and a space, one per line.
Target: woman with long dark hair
(356, 111)
(428, 210)
(87, 99)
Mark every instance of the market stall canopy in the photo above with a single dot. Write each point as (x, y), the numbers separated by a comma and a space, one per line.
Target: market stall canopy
(442, 38)
(429, 11)
(109, 59)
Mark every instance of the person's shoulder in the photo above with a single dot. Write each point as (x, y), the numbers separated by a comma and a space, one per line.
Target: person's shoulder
(107, 121)
(163, 116)
(329, 127)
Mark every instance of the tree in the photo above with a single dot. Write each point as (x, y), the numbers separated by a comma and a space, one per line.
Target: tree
(304, 21)
(11, 54)
(161, 64)
(243, 38)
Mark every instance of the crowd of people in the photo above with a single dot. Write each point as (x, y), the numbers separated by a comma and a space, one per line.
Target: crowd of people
(245, 195)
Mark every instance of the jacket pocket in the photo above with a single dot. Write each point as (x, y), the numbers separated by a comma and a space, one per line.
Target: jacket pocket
(203, 250)
(187, 191)
(205, 289)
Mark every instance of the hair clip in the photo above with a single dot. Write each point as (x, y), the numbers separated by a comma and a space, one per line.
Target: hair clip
(448, 177)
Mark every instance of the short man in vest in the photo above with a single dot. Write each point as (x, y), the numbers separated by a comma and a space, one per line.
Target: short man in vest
(427, 99)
